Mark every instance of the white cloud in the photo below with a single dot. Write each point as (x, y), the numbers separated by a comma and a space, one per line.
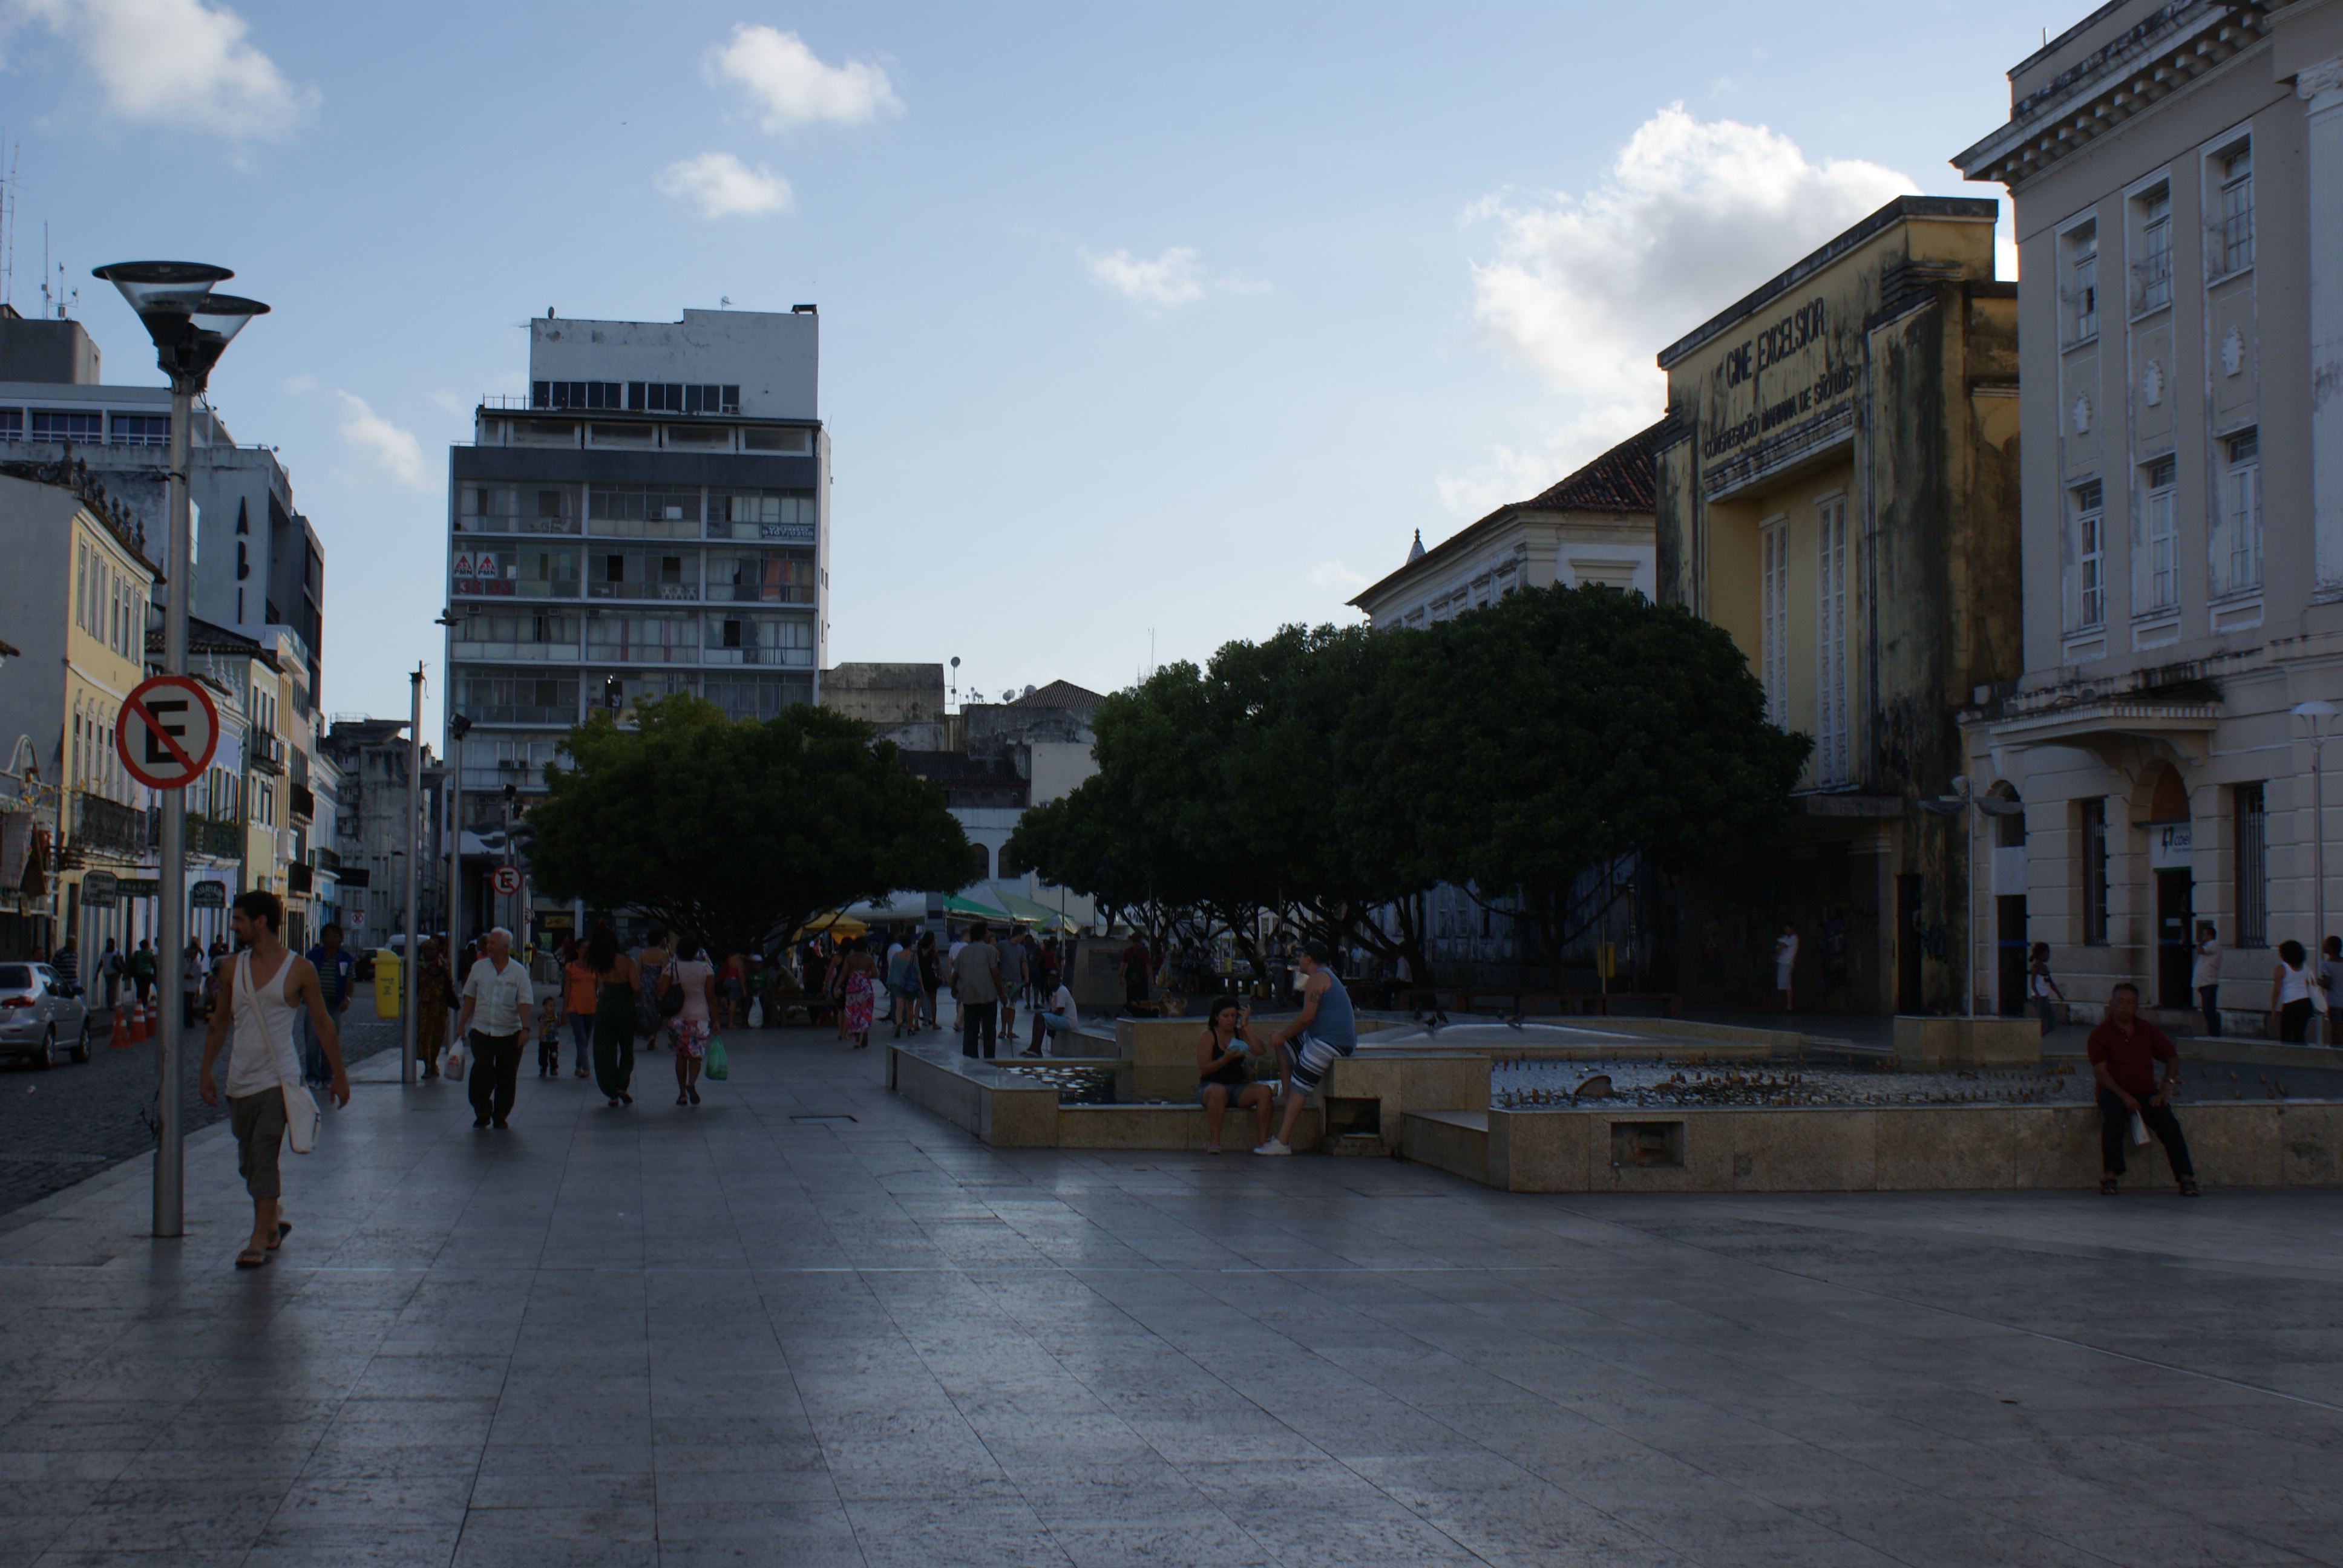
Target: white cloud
(394, 450)
(1337, 578)
(722, 185)
(791, 86)
(1586, 289)
(177, 62)
(300, 385)
(1174, 279)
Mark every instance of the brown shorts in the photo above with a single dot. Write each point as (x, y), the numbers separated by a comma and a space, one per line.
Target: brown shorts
(258, 1123)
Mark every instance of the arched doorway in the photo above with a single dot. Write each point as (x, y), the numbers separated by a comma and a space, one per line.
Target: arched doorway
(2170, 861)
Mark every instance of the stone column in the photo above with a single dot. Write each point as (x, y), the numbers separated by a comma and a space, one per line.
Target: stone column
(2322, 88)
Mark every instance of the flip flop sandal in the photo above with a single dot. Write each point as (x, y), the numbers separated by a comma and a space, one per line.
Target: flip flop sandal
(284, 1228)
(2107, 1185)
(251, 1258)
(2188, 1188)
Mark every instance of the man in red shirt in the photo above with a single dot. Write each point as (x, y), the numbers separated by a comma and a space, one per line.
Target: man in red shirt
(2124, 1051)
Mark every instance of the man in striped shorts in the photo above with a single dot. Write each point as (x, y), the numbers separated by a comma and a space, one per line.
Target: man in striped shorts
(1326, 1029)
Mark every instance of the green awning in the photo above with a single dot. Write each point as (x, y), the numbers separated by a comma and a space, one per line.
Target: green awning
(1041, 914)
(956, 905)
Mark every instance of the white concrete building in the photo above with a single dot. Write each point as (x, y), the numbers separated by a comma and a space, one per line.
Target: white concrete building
(653, 517)
(2177, 174)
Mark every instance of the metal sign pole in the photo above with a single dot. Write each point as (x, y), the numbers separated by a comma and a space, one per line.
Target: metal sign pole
(170, 1148)
(408, 964)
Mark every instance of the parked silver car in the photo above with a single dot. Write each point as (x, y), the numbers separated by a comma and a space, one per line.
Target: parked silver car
(38, 1012)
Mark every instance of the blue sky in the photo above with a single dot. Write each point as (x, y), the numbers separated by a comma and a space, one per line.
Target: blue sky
(1142, 328)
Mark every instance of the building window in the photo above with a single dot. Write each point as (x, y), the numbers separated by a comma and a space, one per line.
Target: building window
(2083, 283)
(2237, 210)
(2253, 867)
(142, 429)
(2090, 554)
(12, 424)
(2163, 536)
(55, 427)
(782, 516)
(81, 586)
(2155, 248)
(2242, 507)
(574, 394)
(682, 398)
(2095, 871)
(1830, 643)
(1774, 619)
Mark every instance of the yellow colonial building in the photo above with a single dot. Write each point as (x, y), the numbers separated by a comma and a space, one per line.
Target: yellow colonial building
(1837, 488)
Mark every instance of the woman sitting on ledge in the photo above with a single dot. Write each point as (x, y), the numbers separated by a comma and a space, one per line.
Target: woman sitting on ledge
(1221, 1079)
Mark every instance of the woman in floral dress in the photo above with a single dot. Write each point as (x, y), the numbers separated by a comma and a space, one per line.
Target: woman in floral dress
(435, 994)
(862, 970)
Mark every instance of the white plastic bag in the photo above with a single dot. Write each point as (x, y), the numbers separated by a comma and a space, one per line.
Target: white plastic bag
(2138, 1129)
(454, 1066)
(301, 1118)
(757, 1014)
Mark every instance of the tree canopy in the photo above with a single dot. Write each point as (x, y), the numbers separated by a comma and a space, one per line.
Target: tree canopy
(735, 833)
(1326, 775)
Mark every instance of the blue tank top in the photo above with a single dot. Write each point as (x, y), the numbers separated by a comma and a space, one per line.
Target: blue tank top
(1335, 1024)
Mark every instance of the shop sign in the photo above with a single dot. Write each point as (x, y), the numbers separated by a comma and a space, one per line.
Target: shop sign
(97, 889)
(208, 896)
(2168, 845)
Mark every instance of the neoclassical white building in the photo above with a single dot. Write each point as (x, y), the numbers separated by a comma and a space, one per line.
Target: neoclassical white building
(2177, 174)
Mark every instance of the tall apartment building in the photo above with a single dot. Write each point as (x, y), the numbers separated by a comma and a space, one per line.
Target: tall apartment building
(2175, 170)
(652, 517)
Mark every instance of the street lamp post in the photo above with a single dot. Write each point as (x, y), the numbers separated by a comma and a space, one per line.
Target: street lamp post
(2318, 715)
(408, 967)
(191, 327)
(458, 726)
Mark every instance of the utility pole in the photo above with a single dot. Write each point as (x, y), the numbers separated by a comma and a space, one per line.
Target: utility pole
(414, 956)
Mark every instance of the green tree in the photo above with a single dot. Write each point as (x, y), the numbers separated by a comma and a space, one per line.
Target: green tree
(736, 832)
(1562, 730)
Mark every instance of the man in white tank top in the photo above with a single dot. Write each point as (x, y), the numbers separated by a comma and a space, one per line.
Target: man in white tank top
(262, 989)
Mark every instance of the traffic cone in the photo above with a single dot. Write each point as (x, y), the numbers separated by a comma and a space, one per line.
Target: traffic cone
(118, 1037)
(138, 1034)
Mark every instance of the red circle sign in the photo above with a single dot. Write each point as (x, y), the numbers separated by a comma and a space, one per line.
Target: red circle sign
(167, 732)
(507, 880)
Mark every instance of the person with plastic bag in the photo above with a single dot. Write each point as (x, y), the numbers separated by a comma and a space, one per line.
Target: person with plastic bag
(2124, 1052)
(434, 999)
(259, 994)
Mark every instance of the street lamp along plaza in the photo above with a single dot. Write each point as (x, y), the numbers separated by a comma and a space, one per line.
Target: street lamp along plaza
(192, 328)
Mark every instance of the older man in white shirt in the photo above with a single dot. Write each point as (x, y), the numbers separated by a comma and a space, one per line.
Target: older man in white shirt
(498, 992)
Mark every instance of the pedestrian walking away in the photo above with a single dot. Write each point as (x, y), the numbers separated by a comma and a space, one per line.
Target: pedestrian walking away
(142, 971)
(1785, 963)
(615, 1009)
(498, 991)
(2204, 975)
(335, 966)
(578, 1005)
(2124, 1051)
(435, 1001)
(1326, 1030)
(1222, 1080)
(903, 988)
(692, 976)
(931, 979)
(192, 975)
(259, 994)
(976, 985)
(650, 961)
(110, 967)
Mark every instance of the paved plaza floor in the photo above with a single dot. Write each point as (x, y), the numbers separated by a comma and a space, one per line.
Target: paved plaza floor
(808, 1324)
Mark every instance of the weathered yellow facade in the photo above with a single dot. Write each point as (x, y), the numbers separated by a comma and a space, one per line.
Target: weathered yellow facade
(1838, 491)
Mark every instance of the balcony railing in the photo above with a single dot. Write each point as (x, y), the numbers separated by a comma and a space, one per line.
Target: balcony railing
(107, 826)
(329, 862)
(303, 802)
(214, 839)
(298, 878)
(264, 750)
(517, 525)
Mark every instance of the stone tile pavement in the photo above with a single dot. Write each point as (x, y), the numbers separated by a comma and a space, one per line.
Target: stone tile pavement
(807, 1324)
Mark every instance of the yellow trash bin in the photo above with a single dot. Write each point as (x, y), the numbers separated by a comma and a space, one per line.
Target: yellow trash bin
(386, 989)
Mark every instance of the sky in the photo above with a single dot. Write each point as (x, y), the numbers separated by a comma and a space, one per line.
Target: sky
(1143, 328)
